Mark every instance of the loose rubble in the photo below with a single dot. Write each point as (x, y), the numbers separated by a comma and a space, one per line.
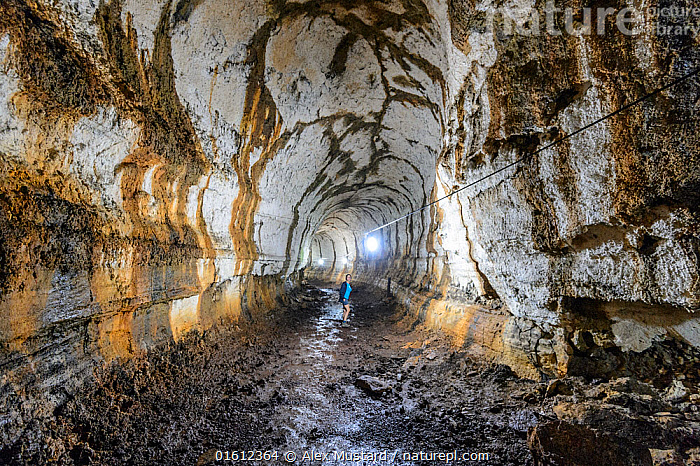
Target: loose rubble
(296, 380)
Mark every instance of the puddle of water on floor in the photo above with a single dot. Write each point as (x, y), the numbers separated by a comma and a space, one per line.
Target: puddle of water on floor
(320, 345)
(322, 420)
(317, 351)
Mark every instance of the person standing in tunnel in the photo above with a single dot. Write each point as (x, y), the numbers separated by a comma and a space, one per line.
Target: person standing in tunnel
(345, 290)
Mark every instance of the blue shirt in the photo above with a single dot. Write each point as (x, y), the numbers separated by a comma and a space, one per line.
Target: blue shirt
(345, 290)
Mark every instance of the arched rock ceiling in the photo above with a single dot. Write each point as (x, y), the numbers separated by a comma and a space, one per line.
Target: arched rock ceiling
(339, 104)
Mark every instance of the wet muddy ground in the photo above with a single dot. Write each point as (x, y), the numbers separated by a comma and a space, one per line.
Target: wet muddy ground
(298, 381)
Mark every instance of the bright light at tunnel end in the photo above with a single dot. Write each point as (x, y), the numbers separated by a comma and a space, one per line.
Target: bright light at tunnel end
(372, 244)
(345, 261)
(321, 262)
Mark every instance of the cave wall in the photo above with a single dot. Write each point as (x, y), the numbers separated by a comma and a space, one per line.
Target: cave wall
(584, 258)
(599, 233)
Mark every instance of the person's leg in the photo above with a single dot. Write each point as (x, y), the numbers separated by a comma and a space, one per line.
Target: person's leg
(346, 313)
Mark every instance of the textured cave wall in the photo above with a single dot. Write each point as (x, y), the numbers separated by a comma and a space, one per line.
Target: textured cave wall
(583, 260)
(592, 244)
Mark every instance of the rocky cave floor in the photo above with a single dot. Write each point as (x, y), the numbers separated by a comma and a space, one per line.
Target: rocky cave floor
(296, 380)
